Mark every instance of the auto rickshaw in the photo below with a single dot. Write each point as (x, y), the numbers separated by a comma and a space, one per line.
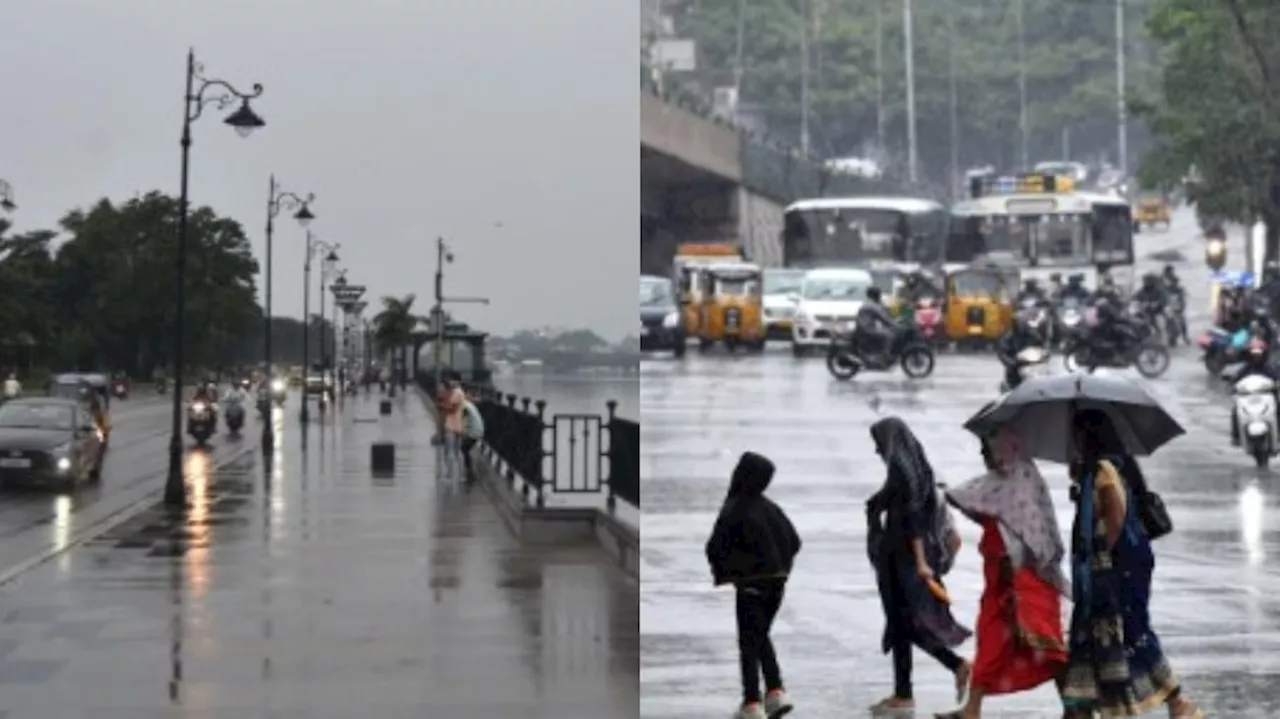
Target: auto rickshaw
(1150, 209)
(732, 307)
(978, 309)
(691, 281)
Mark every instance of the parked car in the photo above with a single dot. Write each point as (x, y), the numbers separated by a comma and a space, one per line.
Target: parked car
(660, 324)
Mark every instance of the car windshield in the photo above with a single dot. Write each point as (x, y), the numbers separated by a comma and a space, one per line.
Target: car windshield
(836, 288)
(36, 416)
(783, 282)
(655, 293)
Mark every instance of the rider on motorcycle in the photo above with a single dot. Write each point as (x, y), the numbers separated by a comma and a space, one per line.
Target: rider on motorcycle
(1074, 288)
(874, 324)
(203, 394)
(1114, 330)
(1031, 290)
(1019, 337)
(1107, 291)
(1257, 363)
(1151, 296)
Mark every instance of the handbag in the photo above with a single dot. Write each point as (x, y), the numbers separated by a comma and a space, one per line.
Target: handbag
(1148, 506)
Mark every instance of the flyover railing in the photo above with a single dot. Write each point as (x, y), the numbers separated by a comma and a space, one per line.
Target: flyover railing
(559, 454)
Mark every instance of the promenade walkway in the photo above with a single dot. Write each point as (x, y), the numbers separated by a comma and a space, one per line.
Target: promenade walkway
(318, 592)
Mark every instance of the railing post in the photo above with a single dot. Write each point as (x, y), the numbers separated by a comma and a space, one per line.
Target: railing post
(612, 406)
(541, 407)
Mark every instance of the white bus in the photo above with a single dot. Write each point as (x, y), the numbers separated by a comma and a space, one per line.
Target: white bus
(1041, 225)
(863, 231)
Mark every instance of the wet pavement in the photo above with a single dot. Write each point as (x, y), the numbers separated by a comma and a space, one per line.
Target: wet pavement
(1217, 582)
(313, 590)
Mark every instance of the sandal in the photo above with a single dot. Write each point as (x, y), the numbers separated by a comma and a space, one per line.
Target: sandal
(893, 707)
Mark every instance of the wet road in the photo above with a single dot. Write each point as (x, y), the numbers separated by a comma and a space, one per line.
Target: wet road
(311, 589)
(1216, 583)
(35, 522)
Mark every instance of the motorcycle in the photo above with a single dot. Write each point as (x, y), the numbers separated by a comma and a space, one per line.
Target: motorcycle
(119, 389)
(928, 320)
(1030, 357)
(1149, 319)
(1222, 348)
(234, 416)
(906, 348)
(161, 386)
(1037, 317)
(202, 421)
(1256, 417)
(1087, 353)
(278, 392)
(1070, 317)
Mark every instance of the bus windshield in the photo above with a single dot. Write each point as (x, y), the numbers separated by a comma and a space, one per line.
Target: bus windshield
(854, 235)
(1104, 236)
(1061, 240)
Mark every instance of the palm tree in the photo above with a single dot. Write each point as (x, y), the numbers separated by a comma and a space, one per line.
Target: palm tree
(394, 326)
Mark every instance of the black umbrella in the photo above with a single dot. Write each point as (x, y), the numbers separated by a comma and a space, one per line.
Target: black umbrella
(1041, 408)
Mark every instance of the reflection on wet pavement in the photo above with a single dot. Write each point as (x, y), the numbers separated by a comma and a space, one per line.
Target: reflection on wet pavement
(310, 590)
(1216, 583)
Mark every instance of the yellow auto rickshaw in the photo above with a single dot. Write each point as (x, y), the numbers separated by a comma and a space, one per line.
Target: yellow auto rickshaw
(690, 283)
(1150, 209)
(732, 307)
(978, 308)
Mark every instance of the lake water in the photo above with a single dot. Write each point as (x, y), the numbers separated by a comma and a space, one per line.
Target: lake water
(584, 394)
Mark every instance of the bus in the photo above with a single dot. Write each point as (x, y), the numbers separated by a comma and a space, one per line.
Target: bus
(864, 231)
(1040, 225)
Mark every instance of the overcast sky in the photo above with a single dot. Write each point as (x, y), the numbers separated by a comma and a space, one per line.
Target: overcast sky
(408, 119)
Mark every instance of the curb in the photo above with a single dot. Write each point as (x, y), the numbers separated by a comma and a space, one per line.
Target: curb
(103, 525)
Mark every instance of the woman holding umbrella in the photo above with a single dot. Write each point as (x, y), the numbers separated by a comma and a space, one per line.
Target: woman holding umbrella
(908, 551)
(1117, 667)
(1020, 643)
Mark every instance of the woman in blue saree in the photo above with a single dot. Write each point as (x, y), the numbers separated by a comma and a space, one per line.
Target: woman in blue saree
(1116, 665)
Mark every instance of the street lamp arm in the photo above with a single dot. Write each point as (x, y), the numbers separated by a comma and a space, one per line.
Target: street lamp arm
(318, 245)
(224, 94)
(289, 201)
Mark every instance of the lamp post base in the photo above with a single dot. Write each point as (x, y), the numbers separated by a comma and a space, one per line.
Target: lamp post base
(175, 485)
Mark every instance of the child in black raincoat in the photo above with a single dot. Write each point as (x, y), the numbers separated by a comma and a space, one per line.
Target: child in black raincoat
(753, 546)
(908, 552)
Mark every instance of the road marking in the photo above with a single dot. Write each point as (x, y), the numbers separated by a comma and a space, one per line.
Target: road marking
(100, 527)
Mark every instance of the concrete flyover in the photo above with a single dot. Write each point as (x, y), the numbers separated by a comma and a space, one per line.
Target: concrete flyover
(703, 179)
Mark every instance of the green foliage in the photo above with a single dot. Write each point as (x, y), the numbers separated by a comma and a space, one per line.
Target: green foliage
(394, 327)
(1215, 109)
(104, 298)
(1070, 65)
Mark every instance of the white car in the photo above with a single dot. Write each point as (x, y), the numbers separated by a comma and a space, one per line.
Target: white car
(781, 287)
(828, 303)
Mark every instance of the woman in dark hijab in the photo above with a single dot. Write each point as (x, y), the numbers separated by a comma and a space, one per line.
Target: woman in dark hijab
(908, 553)
(1116, 666)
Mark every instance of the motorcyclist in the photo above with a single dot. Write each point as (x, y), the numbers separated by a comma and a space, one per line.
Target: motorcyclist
(1151, 296)
(1114, 329)
(1031, 290)
(1075, 288)
(90, 397)
(1107, 291)
(874, 324)
(203, 394)
(1258, 362)
(1019, 337)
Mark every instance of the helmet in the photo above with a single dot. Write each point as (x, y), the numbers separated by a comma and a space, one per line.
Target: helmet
(1031, 283)
(1150, 279)
(1075, 279)
(1168, 271)
(1056, 278)
(873, 294)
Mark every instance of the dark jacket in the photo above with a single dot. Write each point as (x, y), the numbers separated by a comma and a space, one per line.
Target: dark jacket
(752, 538)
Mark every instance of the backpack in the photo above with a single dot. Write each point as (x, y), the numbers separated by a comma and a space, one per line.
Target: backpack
(472, 422)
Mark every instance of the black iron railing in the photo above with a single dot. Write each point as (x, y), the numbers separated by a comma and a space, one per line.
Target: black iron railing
(565, 453)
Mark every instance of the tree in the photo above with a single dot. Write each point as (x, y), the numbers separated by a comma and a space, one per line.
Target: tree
(1215, 109)
(1070, 68)
(105, 299)
(394, 326)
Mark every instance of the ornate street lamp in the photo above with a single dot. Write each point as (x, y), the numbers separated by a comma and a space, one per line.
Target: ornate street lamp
(245, 121)
(277, 200)
(314, 247)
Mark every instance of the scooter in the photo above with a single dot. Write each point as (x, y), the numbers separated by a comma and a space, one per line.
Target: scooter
(1031, 360)
(119, 389)
(234, 416)
(202, 421)
(278, 392)
(1256, 417)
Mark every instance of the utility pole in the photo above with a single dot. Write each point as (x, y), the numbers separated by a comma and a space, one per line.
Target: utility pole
(1122, 112)
(909, 51)
(880, 75)
(1023, 130)
(954, 174)
(804, 77)
(739, 59)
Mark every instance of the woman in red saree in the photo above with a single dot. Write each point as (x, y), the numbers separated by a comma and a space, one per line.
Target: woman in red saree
(1019, 632)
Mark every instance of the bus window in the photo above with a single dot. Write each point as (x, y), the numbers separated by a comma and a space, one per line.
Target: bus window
(1061, 240)
(1112, 234)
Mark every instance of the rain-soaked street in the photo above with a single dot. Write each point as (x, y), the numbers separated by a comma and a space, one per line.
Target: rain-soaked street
(317, 590)
(1217, 577)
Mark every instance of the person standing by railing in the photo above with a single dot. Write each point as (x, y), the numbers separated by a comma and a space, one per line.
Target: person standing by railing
(452, 407)
(472, 431)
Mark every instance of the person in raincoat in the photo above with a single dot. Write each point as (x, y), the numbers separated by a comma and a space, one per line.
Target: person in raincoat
(1020, 642)
(1116, 665)
(908, 551)
(753, 546)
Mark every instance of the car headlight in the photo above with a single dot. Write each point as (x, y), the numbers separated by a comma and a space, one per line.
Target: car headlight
(671, 320)
(277, 385)
(199, 407)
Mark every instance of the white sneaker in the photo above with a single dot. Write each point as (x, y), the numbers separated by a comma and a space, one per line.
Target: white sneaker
(754, 710)
(777, 704)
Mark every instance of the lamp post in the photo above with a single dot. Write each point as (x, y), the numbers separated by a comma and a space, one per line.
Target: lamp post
(314, 246)
(277, 200)
(6, 197)
(444, 255)
(245, 121)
